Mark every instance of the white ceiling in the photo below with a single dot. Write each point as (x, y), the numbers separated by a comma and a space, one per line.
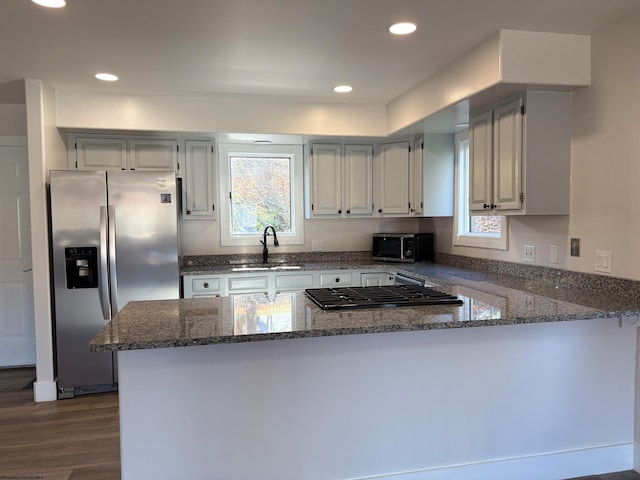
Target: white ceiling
(298, 48)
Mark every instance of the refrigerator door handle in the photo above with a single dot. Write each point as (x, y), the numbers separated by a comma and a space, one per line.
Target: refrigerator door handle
(104, 269)
(113, 274)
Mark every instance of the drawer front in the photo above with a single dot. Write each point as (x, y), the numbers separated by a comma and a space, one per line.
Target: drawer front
(206, 285)
(376, 279)
(249, 284)
(333, 279)
(294, 282)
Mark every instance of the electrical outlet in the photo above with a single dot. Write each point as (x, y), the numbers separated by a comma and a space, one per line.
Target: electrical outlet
(529, 302)
(317, 245)
(603, 262)
(553, 254)
(529, 253)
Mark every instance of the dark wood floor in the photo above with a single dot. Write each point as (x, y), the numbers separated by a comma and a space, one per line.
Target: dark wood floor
(75, 439)
(629, 475)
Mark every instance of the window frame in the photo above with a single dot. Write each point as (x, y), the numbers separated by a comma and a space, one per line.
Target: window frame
(462, 236)
(295, 154)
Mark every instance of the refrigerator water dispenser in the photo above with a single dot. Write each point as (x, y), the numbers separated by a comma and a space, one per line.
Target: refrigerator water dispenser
(82, 267)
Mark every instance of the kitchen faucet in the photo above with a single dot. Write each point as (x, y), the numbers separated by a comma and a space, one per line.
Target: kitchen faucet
(265, 250)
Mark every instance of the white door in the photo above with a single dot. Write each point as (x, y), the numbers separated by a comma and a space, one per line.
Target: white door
(17, 327)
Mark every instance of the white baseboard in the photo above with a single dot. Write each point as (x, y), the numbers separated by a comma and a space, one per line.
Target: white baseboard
(576, 463)
(45, 391)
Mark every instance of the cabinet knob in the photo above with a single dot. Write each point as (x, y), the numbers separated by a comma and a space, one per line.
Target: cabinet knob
(379, 210)
(337, 279)
(206, 285)
(188, 212)
(348, 212)
(340, 211)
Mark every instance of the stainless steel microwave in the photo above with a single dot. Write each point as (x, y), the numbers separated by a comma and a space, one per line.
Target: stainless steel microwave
(403, 247)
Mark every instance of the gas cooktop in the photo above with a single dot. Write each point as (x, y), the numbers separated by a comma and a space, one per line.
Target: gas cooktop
(376, 297)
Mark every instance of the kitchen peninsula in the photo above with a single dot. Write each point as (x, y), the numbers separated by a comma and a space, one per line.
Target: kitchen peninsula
(541, 387)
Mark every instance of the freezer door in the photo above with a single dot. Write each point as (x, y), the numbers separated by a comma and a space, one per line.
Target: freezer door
(78, 266)
(143, 228)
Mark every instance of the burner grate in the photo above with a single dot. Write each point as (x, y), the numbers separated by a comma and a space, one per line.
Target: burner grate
(375, 297)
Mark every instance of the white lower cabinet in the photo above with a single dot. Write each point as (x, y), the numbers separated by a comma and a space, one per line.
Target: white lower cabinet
(275, 282)
(248, 284)
(293, 281)
(335, 279)
(202, 286)
(377, 279)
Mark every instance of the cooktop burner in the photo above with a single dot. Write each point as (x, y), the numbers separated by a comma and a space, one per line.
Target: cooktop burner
(389, 296)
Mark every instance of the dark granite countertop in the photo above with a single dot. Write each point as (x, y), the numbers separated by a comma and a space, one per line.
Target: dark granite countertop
(490, 299)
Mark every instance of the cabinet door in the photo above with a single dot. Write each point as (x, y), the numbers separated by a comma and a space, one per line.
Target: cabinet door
(416, 180)
(199, 181)
(393, 178)
(358, 166)
(100, 154)
(379, 279)
(480, 161)
(326, 180)
(334, 279)
(507, 156)
(153, 155)
(248, 284)
(293, 281)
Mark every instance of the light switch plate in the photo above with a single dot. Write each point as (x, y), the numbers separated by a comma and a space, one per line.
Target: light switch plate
(603, 262)
(553, 254)
(317, 245)
(575, 247)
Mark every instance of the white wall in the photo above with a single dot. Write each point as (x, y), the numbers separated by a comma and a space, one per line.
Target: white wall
(605, 169)
(202, 237)
(13, 114)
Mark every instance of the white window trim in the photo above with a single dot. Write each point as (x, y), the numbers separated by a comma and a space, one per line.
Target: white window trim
(461, 235)
(225, 151)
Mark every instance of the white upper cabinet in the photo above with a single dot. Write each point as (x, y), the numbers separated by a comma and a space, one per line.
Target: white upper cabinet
(519, 156)
(341, 180)
(431, 176)
(153, 155)
(326, 180)
(392, 172)
(358, 185)
(199, 183)
(507, 155)
(98, 154)
(481, 161)
(108, 153)
(416, 177)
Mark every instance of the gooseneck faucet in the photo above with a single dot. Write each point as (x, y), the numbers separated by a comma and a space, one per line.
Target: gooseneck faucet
(265, 250)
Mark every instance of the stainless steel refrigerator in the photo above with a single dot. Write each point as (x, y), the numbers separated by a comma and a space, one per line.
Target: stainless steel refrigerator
(114, 238)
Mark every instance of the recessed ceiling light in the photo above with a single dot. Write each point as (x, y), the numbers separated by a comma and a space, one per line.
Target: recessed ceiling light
(343, 88)
(107, 77)
(403, 28)
(50, 3)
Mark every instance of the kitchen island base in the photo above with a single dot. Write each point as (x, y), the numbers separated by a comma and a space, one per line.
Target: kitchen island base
(533, 401)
